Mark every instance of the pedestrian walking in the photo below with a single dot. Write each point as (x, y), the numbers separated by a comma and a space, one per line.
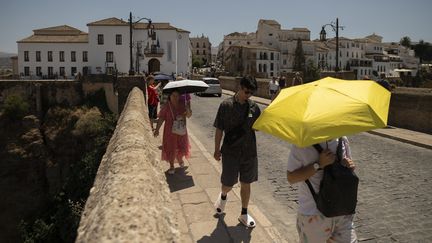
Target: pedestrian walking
(305, 165)
(153, 100)
(383, 82)
(234, 121)
(297, 80)
(273, 88)
(282, 82)
(175, 141)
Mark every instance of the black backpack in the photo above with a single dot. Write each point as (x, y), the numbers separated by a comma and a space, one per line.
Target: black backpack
(338, 189)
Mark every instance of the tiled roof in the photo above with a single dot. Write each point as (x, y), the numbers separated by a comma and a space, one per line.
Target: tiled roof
(57, 30)
(301, 29)
(57, 34)
(109, 22)
(158, 26)
(81, 38)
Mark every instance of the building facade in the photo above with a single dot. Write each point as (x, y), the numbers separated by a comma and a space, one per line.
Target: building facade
(63, 51)
(201, 49)
(367, 56)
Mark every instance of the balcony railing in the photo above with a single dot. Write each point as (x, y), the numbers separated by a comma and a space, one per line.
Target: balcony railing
(154, 51)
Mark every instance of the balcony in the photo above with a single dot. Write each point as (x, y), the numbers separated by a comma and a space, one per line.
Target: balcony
(153, 51)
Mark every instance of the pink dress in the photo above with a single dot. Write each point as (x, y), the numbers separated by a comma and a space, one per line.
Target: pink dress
(173, 145)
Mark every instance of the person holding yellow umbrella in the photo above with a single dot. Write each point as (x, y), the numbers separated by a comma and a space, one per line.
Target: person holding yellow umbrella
(315, 118)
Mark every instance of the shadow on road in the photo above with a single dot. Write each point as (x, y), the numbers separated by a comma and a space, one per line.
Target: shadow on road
(180, 180)
(238, 233)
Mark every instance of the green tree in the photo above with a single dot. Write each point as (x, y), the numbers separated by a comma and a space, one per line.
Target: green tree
(312, 72)
(406, 41)
(15, 107)
(423, 50)
(299, 57)
(197, 62)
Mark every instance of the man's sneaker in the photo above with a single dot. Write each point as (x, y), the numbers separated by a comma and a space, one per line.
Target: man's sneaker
(247, 220)
(220, 204)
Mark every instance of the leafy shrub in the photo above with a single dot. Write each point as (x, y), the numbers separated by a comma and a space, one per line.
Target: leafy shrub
(15, 107)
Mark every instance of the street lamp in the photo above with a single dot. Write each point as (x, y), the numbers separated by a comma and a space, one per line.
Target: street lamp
(131, 69)
(335, 29)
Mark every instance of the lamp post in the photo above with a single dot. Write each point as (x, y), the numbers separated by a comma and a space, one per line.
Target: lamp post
(131, 68)
(335, 29)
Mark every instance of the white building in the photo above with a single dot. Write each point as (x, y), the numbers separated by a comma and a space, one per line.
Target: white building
(63, 51)
(367, 56)
(281, 42)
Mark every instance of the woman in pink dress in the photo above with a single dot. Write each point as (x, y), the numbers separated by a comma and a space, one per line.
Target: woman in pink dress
(174, 146)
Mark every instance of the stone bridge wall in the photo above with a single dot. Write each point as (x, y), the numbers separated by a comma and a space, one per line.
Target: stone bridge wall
(130, 200)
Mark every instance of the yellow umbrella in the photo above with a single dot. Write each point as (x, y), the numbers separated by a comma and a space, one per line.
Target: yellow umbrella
(325, 109)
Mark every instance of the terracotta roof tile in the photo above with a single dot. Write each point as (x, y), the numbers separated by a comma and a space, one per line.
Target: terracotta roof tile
(109, 22)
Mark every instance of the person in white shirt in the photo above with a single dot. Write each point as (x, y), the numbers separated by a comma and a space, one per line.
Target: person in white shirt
(273, 88)
(307, 163)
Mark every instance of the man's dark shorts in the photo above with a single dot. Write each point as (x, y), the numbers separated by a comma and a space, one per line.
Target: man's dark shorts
(233, 166)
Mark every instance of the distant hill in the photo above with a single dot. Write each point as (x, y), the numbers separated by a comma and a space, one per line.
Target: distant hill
(5, 54)
(5, 62)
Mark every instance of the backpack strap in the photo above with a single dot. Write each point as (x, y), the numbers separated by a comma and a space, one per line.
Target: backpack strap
(319, 149)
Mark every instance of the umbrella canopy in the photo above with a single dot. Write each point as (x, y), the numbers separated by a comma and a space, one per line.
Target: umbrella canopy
(325, 109)
(186, 86)
(163, 77)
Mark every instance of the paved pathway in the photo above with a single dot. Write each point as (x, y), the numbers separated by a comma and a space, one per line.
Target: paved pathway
(194, 191)
(395, 194)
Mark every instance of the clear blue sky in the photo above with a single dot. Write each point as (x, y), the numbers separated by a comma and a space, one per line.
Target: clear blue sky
(391, 19)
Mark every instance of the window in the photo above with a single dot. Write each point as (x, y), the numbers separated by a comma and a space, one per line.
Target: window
(50, 72)
(85, 57)
(26, 71)
(118, 39)
(284, 62)
(62, 71)
(203, 52)
(73, 56)
(109, 56)
(271, 56)
(271, 67)
(197, 45)
(229, 42)
(38, 56)
(265, 68)
(169, 50)
(109, 70)
(100, 39)
(39, 71)
(270, 34)
(61, 56)
(26, 56)
(259, 68)
(204, 45)
(197, 52)
(50, 59)
(73, 71)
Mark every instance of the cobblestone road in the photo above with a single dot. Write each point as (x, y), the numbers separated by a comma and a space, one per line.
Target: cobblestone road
(395, 203)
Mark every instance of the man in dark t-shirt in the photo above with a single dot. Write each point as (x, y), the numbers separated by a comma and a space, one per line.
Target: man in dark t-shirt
(234, 120)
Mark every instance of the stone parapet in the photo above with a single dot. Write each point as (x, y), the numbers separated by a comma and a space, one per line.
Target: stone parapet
(130, 199)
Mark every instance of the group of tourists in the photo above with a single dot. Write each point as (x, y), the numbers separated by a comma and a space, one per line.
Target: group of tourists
(235, 147)
(276, 84)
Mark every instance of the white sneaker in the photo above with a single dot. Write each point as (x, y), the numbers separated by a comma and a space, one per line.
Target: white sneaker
(247, 220)
(220, 204)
